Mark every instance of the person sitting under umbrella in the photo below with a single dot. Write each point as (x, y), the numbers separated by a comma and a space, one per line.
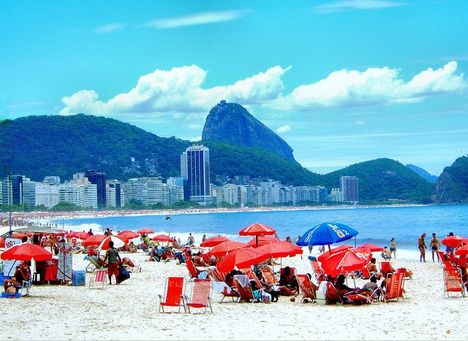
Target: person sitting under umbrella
(341, 287)
(289, 285)
(22, 273)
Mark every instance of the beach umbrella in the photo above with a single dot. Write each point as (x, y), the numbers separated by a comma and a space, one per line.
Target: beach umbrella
(162, 238)
(343, 262)
(337, 249)
(26, 252)
(326, 234)
(263, 240)
(280, 250)
(213, 241)
(462, 251)
(80, 235)
(370, 248)
(225, 247)
(145, 230)
(94, 240)
(452, 241)
(118, 242)
(128, 234)
(241, 258)
(257, 230)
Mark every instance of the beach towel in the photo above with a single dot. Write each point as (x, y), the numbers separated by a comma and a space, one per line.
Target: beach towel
(7, 295)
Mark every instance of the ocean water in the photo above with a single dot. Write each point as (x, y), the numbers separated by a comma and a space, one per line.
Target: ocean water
(375, 225)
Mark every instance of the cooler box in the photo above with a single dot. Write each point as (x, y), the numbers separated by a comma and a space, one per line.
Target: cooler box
(79, 278)
(3, 278)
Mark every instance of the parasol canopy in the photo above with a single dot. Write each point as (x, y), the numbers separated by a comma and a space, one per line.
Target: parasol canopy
(213, 241)
(162, 238)
(26, 252)
(280, 250)
(326, 234)
(263, 240)
(145, 230)
(452, 241)
(241, 258)
(94, 240)
(118, 242)
(346, 261)
(225, 247)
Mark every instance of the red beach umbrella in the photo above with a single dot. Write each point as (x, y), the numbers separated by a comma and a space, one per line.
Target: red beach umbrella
(128, 234)
(263, 240)
(345, 261)
(145, 230)
(81, 235)
(94, 240)
(118, 242)
(26, 252)
(338, 249)
(452, 241)
(462, 251)
(257, 230)
(370, 247)
(162, 238)
(281, 249)
(241, 258)
(225, 247)
(213, 241)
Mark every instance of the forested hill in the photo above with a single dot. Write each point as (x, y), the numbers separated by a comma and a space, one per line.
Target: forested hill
(62, 145)
(452, 185)
(37, 146)
(384, 179)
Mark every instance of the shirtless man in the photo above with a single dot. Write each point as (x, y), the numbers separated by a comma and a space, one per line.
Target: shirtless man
(422, 248)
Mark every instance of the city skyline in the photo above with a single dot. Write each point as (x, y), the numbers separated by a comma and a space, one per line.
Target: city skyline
(338, 92)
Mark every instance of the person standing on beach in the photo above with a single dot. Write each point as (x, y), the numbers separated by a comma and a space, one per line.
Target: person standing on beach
(393, 248)
(435, 247)
(113, 261)
(190, 240)
(422, 248)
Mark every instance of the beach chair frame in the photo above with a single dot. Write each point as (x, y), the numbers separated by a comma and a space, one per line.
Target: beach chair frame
(453, 282)
(199, 295)
(99, 278)
(306, 289)
(245, 293)
(394, 290)
(176, 284)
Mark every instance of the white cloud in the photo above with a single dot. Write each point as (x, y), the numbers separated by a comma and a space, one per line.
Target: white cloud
(178, 90)
(110, 28)
(338, 6)
(201, 18)
(347, 88)
(283, 129)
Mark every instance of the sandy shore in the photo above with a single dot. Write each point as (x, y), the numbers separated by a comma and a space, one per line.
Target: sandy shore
(130, 311)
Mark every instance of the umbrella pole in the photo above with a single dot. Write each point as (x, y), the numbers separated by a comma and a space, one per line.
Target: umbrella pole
(329, 249)
(256, 241)
(354, 241)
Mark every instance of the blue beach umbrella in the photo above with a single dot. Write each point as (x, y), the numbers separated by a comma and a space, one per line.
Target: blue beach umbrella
(326, 234)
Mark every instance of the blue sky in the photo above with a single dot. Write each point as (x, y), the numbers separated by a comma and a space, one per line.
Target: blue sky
(341, 81)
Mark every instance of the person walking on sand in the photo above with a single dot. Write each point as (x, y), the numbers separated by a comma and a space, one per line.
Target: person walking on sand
(435, 247)
(113, 261)
(422, 248)
(393, 248)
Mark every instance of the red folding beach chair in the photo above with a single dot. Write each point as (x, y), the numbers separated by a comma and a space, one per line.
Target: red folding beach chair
(193, 272)
(318, 271)
(245, 292)
(386, 268)
(252, 276)
(173, 294)
(394, 287)
(269, 276)
(217, 275)
(365, 274)
(331, 295)
(199, 295)
(453, 281)
(306, 288)
(98, 278)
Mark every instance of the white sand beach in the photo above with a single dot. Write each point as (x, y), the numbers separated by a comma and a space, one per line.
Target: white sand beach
(130, 311)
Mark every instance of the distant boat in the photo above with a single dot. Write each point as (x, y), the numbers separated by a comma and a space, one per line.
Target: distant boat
(168, 218)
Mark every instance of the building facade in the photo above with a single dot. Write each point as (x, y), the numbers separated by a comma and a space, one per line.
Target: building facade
(195, 165)
(349, 186)
(98, 179)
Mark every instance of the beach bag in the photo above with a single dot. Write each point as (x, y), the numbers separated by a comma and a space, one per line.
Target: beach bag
(123, 274)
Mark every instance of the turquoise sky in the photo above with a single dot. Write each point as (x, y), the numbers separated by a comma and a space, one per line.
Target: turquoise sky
(341, 81)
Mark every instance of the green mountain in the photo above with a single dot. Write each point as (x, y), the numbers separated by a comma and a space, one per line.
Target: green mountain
(232, 123)
(37, 146)
(423, 173)
(62, 145)
(452, 185)
(384, 179)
